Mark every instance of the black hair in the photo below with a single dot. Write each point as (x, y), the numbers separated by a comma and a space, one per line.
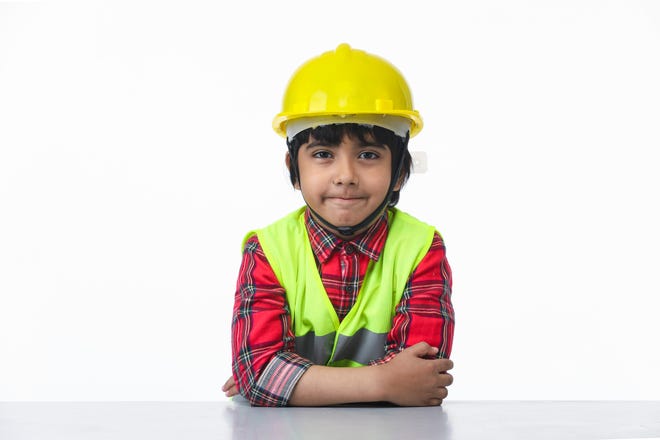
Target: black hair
(332, 134)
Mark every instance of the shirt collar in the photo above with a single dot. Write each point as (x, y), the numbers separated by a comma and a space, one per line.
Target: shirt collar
(324, 243)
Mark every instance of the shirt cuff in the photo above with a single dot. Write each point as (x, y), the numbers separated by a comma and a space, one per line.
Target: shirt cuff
(275, 384)
(385, 359)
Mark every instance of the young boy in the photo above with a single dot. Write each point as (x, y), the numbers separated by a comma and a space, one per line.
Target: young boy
(348, 280)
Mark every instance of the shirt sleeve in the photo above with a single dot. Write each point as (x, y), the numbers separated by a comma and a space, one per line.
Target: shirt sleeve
(264, 364)
(425, 312)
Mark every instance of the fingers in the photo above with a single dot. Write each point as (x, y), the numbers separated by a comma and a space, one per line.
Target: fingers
(446, 379)
(422, 349)
(443, 365)
(229, 384)
(231, 392)
(438, 396)
(447, 364)
(230, 388)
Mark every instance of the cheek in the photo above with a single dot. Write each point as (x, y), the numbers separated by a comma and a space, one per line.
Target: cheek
(380, 177)
(308, 179)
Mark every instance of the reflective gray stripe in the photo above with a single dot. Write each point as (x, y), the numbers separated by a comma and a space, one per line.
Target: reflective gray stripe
(362, 347)
(315, 348)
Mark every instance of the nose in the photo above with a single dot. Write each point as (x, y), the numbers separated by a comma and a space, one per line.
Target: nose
(345, 173)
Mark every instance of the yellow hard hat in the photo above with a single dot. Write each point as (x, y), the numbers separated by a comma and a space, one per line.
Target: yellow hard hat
(347, 85)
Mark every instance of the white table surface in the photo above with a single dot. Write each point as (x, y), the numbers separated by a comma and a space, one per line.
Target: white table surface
(237, 420)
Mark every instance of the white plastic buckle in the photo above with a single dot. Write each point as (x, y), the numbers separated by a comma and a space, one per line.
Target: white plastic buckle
(419, 162)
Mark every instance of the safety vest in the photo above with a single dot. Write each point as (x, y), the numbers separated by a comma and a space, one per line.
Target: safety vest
(361, 336)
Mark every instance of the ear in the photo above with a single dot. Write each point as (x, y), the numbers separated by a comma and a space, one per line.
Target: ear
(287, 161)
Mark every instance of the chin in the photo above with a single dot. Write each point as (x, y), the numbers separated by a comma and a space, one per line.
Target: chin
(346, 221)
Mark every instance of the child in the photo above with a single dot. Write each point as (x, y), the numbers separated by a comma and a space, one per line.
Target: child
(348, 280)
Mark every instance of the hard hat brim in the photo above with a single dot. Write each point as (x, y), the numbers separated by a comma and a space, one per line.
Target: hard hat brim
(282, 119)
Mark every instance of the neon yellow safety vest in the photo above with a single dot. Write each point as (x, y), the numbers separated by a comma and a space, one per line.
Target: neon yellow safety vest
(362, 334)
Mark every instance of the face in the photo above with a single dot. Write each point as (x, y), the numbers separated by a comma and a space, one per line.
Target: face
(344, 183)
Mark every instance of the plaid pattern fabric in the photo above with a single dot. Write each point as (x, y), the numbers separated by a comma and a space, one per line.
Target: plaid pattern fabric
(265, 366)
(342, 264)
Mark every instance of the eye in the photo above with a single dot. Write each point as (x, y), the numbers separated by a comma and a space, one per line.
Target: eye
(369, 155)
(322, 154)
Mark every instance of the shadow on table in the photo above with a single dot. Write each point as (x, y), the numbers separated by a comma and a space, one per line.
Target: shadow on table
(339, 422)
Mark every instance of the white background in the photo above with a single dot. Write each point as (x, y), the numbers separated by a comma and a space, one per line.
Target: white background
(136, 150)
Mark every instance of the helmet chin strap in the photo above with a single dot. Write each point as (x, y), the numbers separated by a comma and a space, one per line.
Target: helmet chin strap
(349, 231)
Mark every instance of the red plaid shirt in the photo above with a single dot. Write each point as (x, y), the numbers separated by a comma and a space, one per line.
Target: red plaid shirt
(265, 366)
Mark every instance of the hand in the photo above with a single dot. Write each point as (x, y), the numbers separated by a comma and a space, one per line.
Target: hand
(230, 387)
(411, 380)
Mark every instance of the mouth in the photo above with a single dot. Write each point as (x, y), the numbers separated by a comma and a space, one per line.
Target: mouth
(343, 200)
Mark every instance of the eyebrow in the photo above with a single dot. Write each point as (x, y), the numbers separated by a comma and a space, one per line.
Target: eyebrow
(316, 143)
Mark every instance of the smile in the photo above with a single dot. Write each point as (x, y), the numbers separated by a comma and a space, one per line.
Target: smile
(345, 200)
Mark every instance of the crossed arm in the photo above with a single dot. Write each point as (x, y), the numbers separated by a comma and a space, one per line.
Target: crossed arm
(409, 379)
(410, 373)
